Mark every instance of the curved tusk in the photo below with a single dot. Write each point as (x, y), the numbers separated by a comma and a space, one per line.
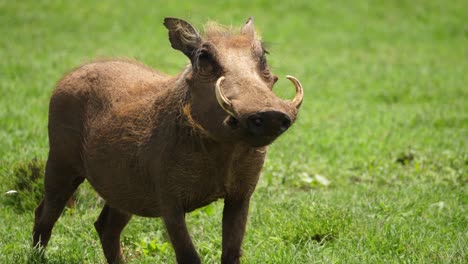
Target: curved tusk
(223, 101)
(297, 101)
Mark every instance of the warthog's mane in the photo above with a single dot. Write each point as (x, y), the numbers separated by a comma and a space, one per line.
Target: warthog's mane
(212, 29)
(227, 35)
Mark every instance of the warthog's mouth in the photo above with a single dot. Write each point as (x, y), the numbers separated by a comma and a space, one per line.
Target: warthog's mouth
(249, 136)
(260, 142)
(232, 122)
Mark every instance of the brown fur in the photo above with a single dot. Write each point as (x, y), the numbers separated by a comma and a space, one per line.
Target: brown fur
(160, 146)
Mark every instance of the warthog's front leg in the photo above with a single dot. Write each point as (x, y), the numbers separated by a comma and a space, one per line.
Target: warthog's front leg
(174, 219)
(109, 225)
(234, 221)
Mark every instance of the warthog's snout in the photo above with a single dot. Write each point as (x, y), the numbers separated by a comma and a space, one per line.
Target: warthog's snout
(263, 125)
(268, 124)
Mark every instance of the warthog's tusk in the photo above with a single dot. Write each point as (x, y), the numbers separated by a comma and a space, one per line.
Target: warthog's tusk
(297, 101)
(223, 101)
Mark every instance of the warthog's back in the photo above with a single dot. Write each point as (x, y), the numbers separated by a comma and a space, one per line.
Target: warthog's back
(106, 84)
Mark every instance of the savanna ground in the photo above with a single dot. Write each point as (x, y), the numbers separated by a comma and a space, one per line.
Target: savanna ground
(374, 170)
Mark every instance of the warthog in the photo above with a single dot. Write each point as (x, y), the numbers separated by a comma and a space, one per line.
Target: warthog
(161, 146)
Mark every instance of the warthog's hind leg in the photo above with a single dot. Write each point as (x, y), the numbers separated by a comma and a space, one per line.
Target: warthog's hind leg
(61, 181)
(109, 225)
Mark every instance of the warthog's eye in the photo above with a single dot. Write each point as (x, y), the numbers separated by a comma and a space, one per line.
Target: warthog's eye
(263, 62)
(206, 63)
(264, 68)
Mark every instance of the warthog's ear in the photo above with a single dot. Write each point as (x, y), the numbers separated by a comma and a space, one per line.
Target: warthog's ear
(182, 36)
(248, 28)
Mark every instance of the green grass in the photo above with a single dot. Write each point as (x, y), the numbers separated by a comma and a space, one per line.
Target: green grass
(385, 120)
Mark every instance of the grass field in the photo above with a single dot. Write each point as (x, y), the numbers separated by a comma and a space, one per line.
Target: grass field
(374, 170)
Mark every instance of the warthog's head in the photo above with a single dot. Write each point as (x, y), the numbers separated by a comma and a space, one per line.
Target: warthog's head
(230, 84)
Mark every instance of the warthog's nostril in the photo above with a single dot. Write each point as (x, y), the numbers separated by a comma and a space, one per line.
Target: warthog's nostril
(255, 125)
(285, 124)
(257, 121)
(270, 123)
